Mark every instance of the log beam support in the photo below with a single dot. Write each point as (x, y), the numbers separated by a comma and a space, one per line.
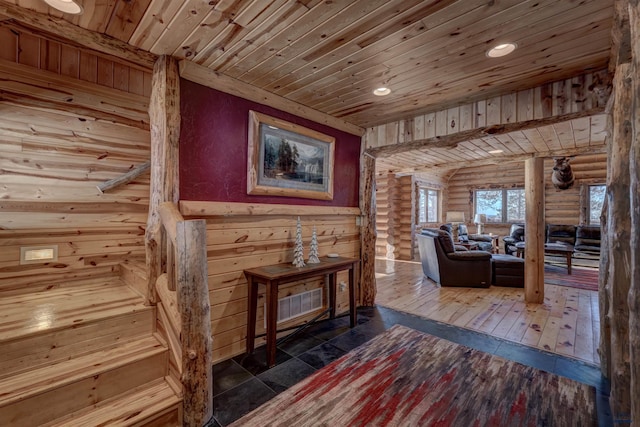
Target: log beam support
(634, 182)
(619, 234)
(164, 116)
(367, 293)
(534, 244)
(195, 311)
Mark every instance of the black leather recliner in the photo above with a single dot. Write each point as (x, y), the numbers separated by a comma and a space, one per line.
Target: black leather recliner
(448, 267)
(516, 235)
(483, 242)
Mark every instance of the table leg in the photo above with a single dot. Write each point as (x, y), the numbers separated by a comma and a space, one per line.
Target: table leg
(354, 275)
(568, 263)
(251, 317)
(332, 294)
(272, 317)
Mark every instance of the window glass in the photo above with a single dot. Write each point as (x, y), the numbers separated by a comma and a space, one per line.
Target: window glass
(428, 205)
(596, 200)
(505, 205)
(489, 202)
(515, 205)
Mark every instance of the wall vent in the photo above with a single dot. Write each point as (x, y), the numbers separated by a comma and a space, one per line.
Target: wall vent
(298, 305)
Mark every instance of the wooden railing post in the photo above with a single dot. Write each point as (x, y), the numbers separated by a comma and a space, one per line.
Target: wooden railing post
(193, 303)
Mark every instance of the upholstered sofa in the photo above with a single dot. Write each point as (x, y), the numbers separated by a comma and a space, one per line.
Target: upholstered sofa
(585, 239)
(483, 242)
(445, 265)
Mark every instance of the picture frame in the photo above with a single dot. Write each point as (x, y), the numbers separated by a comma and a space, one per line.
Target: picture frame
(286, 159)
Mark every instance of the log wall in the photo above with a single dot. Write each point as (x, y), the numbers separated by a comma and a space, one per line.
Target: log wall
(53, 154)
(395, 216)
(561, 206)
(238, 241)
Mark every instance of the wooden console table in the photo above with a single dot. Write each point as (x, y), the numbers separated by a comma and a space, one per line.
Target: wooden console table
(273, 276)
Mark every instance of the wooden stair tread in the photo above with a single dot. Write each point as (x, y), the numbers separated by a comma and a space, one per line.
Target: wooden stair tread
(38, 380)
(60, 307)
(125, 410)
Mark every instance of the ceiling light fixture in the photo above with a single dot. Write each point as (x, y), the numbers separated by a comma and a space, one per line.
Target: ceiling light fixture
(67, 6)
(501, 50)
(382, 91)
(495, 151)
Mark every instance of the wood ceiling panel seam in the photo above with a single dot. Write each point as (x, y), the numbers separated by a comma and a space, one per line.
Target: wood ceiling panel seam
(599, 131)
(218, 27)
(310, 60)
(477, 68)
(297, 53)
(548, 133)
(313, 18)
(565, 135)
(363, 60)
(275, 24)
(425, 54)
(153, 23)
(184, 22)
(397, 110)
(511, 145)
(523, 142)
(221, 44)
(96, 16)
(406, 45)
(409, 79)
(125, 17)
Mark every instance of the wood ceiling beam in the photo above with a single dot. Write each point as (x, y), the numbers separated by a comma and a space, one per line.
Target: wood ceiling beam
(502, 159)
(451, 141)
(67, 32)
(215, 80)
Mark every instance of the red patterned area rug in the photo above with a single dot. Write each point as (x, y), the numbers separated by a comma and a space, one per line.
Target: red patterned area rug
(580, 278)
(407, 378)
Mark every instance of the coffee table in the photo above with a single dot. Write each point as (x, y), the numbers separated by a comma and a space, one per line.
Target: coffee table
(551, 249)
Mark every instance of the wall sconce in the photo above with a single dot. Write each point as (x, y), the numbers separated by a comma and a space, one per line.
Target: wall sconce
(480, 219)
(455, 218)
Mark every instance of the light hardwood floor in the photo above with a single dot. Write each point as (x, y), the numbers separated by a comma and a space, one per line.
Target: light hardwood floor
(567, 323)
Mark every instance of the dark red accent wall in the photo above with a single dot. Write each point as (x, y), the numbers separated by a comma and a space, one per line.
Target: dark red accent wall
(213, 150)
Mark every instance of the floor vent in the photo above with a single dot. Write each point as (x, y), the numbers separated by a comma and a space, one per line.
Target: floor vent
(299, 304)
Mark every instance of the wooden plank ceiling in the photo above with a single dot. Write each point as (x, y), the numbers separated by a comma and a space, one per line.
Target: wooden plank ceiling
(330, 55)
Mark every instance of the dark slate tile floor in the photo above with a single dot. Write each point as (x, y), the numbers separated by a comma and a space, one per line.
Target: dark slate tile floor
(243, 383)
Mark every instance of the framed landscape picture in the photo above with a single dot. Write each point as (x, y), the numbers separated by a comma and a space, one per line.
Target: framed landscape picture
(286, 159)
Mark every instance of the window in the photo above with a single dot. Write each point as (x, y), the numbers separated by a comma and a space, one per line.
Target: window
(506, 205)
(595, 200)
(428, 205)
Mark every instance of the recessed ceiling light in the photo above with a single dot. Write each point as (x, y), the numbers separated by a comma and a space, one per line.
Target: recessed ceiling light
(66, 6)
(501, 50)
(495, 151)
(382, 91)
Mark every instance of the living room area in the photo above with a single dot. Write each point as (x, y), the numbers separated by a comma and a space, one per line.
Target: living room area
(567, 323)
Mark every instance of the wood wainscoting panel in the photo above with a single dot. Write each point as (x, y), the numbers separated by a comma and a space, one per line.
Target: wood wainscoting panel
(239, 242)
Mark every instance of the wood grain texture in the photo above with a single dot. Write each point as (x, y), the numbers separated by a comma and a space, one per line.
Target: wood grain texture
(619, 229)
(367, 287)
(534, 224)
(634, 187)
(500, 312)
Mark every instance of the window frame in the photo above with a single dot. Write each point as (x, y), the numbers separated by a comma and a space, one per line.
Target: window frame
(588, 202)
(504, 209)
(438, 193)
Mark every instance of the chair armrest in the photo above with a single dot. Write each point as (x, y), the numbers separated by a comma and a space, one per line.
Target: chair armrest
(469, 256)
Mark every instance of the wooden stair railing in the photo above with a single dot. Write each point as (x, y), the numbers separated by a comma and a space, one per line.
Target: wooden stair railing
(185, 312)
